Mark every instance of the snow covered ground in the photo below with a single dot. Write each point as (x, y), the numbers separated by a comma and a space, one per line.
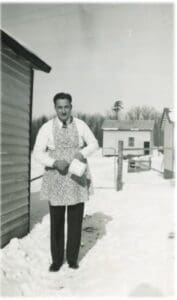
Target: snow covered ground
(127, 241)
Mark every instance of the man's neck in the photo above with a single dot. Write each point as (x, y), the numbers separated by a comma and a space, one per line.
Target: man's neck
(68, 121)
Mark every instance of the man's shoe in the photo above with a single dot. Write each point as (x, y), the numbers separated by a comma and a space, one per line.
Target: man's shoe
(74, 265)
(54, 267)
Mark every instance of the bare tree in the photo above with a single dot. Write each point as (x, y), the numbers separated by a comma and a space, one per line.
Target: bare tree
(134, 113)
(142, 113)
(147, 113)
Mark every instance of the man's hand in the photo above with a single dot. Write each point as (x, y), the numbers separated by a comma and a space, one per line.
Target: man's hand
(60, 165)
(80, 157)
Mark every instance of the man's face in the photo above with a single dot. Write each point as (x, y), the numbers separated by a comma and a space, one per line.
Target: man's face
(63, 109)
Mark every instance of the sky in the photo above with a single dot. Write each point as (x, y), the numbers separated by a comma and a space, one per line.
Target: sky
(99, 53)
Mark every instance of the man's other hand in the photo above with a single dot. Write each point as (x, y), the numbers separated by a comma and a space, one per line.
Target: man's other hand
(80, 157)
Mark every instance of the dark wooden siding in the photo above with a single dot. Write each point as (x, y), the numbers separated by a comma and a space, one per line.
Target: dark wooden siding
(15, 121)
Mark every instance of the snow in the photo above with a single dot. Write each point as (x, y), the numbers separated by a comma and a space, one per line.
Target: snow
(171, 114)
(126, 247)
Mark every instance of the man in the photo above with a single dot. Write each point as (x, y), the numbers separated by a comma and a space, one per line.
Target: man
(59, 142)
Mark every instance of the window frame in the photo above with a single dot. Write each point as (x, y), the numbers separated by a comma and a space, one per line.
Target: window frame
(131, 144)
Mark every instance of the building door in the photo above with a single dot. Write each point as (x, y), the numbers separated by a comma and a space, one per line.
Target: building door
(146, 146)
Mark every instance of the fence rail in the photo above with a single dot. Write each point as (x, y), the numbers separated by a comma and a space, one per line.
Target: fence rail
(148, 148)
(121, 149)
(35, 178)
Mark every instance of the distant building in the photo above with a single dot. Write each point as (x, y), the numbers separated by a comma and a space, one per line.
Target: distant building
(134, 134)
(167, 127)
(17, 70)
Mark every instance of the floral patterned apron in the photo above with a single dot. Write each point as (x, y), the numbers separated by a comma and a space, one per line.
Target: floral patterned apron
(65, 189)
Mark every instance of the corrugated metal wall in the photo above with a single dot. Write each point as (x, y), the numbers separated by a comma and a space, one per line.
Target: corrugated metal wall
(15, 114)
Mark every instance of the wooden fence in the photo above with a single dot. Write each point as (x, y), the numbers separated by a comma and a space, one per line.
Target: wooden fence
(120, 156)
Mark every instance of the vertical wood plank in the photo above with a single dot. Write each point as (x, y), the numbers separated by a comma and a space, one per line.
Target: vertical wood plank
(30, 134)
(119, 166)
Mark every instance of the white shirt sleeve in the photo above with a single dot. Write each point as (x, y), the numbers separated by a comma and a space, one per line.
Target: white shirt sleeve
(40, 147)
(89, 139)
(44, 140)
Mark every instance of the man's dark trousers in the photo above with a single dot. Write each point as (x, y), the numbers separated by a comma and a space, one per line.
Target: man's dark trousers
(57, 235)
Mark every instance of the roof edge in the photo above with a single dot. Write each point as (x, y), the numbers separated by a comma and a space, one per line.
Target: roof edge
(132, 124)
(166, 110)
(18, 48)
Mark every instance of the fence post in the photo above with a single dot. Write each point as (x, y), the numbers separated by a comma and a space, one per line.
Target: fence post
(119, 166)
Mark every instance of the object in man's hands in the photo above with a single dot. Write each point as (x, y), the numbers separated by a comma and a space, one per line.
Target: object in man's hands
(77, 167)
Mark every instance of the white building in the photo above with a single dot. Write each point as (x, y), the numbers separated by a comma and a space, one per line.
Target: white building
(167, 126)
(137, 136)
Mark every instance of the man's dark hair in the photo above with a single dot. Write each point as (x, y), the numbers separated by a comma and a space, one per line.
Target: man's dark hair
(62, 96)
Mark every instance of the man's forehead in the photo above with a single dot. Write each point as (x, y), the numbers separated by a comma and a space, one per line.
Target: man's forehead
(61, 102)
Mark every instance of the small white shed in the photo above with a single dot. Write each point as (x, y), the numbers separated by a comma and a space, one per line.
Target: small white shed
(137, 136)
(167, 127)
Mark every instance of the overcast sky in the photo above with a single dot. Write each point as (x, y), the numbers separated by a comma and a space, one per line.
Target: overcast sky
(99, 53)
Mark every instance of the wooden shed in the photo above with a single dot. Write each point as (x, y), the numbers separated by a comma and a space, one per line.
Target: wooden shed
(137, 137)
(17, 68)
(167, 127)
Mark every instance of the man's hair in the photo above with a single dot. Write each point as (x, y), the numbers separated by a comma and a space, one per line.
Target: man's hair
(62, 96)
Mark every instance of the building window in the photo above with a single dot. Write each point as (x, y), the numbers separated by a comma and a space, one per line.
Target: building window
(131, 141)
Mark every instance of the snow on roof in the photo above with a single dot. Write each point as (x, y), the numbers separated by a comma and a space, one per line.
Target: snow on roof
(168, 114)
(128, 125)
(171, 114)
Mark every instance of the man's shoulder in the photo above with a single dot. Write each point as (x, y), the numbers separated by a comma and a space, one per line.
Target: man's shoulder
(47, 125)
(79, 121)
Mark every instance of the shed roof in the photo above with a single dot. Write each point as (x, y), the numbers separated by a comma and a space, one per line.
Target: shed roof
(168, 114)
(128, 125)
(21, 50)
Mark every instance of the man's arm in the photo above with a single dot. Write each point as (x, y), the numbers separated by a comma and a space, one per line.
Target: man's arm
(39, 151)
(89, 139)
